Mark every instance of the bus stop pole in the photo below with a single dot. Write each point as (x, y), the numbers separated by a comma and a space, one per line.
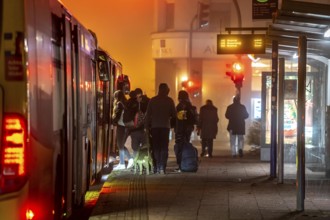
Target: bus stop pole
(280, 118)
(300, 180)
(273, 129)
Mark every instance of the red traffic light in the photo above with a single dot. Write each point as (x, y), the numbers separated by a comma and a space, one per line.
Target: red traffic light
(237, 67)
(236, 73)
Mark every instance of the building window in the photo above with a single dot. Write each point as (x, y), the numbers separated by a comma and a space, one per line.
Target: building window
(169, 16)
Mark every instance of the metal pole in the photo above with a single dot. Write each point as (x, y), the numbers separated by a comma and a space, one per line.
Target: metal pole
(280, 138)
(273, 155)
(300, 181)
(190, 44)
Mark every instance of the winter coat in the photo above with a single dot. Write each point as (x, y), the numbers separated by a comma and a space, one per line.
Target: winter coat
(208, 122)
(161, 109)
(236, 114)
(186, 117)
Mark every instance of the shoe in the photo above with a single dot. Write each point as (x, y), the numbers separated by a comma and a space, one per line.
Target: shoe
(177, 170)
(210, 156)
(119, 167)
(112, 159)
(130, 163)
(202, 154)
(161, 172)
(240, 152)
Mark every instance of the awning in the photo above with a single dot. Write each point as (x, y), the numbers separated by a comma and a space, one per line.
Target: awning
(296, 18)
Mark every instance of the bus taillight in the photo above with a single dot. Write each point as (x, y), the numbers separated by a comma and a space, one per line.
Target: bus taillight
(29, 214)
(13, 153)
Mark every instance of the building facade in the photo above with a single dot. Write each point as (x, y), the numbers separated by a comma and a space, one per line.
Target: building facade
(184, 47)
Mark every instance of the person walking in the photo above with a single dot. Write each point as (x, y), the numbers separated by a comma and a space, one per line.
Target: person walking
(186, 118)
(120, 102)
(161, 109)
(207, 127)
(236, 114)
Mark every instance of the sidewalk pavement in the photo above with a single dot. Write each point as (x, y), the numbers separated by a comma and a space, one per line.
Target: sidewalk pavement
(222, 188)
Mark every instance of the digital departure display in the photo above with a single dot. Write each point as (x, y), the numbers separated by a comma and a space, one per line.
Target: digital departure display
(241, 44)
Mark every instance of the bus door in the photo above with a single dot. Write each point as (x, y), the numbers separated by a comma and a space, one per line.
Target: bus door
(84, 103)
(69, 113)
(62, 61)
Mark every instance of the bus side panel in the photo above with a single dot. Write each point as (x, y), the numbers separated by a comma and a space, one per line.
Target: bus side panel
(45, 107)
(43, 149)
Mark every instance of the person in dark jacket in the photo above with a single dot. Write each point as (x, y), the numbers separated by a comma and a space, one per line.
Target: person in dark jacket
(236, 114)
(137, 134)
(161, 109)
(208, 127)
(186, 118)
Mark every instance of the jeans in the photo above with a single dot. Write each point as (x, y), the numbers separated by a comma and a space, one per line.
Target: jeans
(121, 136)
(160, 141)
(236, 142)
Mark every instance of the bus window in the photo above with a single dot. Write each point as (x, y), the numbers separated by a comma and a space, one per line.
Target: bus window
(103, 69)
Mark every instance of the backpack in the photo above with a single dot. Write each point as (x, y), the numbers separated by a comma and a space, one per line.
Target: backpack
(139, 119)
(133, 119)
(189, 160)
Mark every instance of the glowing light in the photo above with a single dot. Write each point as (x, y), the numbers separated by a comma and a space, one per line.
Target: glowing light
(237, 67)
(252, 58)
(14, 147)
(184, 78)
(29, 214)
(327, 33)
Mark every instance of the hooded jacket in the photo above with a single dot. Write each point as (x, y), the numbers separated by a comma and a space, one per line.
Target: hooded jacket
(161, 109)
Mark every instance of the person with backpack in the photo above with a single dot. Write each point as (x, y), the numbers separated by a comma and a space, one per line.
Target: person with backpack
(139, 108)
(236, 114)
(161, 109)
(208, 127)
(186, 119)
(119, 104)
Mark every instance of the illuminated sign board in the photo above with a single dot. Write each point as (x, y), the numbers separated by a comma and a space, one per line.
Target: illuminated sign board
(241, 44)
(263, 9)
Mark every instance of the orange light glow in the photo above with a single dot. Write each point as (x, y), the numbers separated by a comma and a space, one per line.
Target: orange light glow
(238, 67)
(13, 123)
(14, 146)
(15, 156)
(16, 138)
(29, 214)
